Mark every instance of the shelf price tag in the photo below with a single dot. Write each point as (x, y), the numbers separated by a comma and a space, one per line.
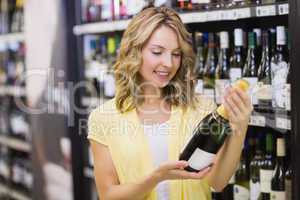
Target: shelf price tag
(283, 9)
(213, 16)
(263, 11)
(242, 13)
(227, 15)
(283, 123)
(256, 120)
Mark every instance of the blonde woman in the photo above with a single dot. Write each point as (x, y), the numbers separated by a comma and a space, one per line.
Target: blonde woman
(136, 138)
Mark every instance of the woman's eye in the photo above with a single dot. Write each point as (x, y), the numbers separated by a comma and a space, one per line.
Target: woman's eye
(156, 52)
(176, 54)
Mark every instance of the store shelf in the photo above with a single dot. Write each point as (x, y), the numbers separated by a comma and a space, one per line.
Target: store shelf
(279, 122)
(12, 37)
(193, 17)
(15, 144)
(12, 91)
(12, 193)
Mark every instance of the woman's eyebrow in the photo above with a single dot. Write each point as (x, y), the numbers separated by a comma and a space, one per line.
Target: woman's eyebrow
(162, 47)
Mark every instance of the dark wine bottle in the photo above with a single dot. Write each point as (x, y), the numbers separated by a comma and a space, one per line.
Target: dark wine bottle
(264, 94)
(278, 178)
(208, 137)
(288, 183)
(266, 170)
(210, 68)
(222, 70)
(250, 67)
(255, 166)
(236, 61)
(241, 186)
(199, 65)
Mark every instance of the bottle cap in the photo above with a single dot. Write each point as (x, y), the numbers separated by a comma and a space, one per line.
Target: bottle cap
(224, 40)
(280, 147)
(242, 84)
(280, 37)
(238, 37)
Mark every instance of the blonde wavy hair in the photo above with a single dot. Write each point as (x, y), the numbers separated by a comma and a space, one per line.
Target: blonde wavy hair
(180, 90)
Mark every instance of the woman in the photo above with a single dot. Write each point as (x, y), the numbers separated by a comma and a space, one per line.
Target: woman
(136, 138)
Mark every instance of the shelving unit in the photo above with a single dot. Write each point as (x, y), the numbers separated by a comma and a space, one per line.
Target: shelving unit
(193, 17)
(281, 123)
(4, 190)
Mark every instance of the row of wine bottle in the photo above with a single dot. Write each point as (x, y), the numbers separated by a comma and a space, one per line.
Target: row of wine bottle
(11, 16)
(100, 56)
(264, 64)
(16, 170)
(106, 10)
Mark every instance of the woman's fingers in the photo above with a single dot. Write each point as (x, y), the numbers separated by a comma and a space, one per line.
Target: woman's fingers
(174, 165)
(182, 174)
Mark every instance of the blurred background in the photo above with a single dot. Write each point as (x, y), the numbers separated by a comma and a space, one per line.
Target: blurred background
(56, 61)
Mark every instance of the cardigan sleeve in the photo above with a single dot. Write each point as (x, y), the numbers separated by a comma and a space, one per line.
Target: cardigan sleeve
(97, 127)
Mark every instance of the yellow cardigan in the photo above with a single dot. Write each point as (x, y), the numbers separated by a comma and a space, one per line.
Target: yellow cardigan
(124, 136)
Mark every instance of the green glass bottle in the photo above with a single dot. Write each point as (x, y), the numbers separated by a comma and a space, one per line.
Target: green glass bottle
(199, 64)
(236, 60)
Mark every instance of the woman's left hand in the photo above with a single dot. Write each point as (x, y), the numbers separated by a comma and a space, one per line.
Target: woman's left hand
(239, 107)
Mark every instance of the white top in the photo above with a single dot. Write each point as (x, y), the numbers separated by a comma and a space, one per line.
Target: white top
(157, 135)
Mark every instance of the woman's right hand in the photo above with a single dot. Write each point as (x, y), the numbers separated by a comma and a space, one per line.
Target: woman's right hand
(172, 170)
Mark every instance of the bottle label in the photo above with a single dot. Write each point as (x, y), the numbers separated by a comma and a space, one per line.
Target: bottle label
(279, 76)
(220, 87)
(235, 74)
(254, 190)
(109, 86)
(277, 195)
(252, 89)
(265, 180)
(201, 159)
(199, 87)
(288, 190)
(241, 193)
(264, 91)
(209, 93)
(287, 93)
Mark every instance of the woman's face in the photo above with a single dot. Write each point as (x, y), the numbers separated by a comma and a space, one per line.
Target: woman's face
(161, 58)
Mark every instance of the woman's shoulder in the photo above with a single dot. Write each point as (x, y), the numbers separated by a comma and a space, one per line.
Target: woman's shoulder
(104, 112)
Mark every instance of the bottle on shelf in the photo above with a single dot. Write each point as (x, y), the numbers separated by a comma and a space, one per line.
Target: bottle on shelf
(267, 169)
(18, 17)
(264, 93)
(109, 79)
(255, 166)
(288, 183)
(250, 67)
(201, 148)
(93, 11)
(279, 68)
(222, 69)
(258, 49)
(210, 68)
(199, 64)
(278, 178)
(241, 186)
(236, 60)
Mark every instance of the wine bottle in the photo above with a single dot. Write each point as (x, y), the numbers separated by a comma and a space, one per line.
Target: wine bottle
(208, 137)
(210, 68)
(109, 80)
(236, 61)
(279, 68)
(288, 183)
(264, 93)
(241, 186)
(199, 65)
(258, 49)
(266, 170)
(278, 178)
(222, 69)
(250, 67)
(255, 166)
